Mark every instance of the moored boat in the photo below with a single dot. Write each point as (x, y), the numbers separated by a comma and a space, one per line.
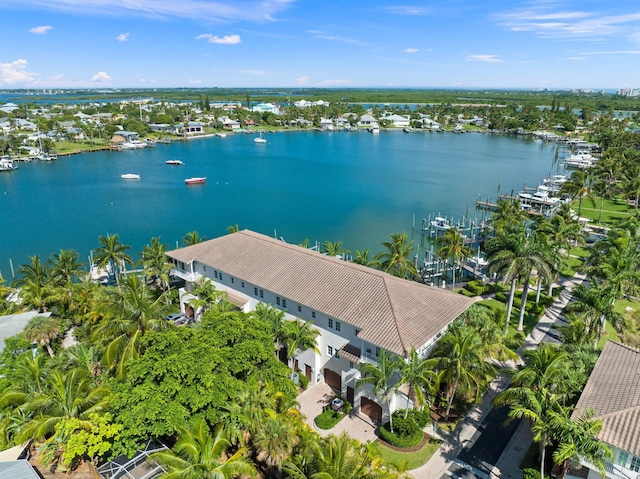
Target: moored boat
(195, 180)
(175, 162)
(130, 176)
(7, 164)
(259, 139)
(440, 223)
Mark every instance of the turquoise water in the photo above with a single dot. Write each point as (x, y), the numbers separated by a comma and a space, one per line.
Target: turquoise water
(352, 187)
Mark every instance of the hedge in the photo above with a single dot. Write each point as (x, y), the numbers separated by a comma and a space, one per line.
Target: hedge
(327, 419)
(401, 441)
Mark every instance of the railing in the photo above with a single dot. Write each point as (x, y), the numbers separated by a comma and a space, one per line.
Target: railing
(369, 358)
(186, 275)
(614, 471)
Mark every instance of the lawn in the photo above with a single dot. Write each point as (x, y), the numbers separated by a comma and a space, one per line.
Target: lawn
(408, 460)
(612, 211)
(67, 146)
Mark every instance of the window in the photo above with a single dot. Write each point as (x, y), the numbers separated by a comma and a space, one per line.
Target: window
(215, 273)
(313, 314)
(635, 464)
(255, 291)
(337, 325)
(278, 300)
(204, 268)
(220, 276)
(284, 303)
(231, 280)
(329, 350)
(377, 352)
(357, 332)
(243, 285)
(261, 294)
(299, 309)
(351, 364)
(623, 457)
(330, 322)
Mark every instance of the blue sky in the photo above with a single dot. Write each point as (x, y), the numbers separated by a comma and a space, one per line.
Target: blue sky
(328, 43)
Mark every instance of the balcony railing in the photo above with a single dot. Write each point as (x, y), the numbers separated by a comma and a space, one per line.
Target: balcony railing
(186, 275)
(369, 358)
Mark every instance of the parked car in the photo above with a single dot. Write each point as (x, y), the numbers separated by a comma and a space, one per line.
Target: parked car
(179, 319)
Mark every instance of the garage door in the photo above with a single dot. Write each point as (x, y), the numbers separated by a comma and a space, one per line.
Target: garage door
(333, 379)
(371, 409)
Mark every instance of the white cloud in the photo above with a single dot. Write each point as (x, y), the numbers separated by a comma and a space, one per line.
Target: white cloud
(326, 36)
(576, 59)
(194, 82)
(303, 80)
(123, 37)
(100, 77)
(483, 58)
(15, 73)
(258, 11)
(411, 50)
(41, 30)
(590, 26)
(226, 40)
(407, 10)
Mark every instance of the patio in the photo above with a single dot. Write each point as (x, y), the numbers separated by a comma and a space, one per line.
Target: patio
(356, 425)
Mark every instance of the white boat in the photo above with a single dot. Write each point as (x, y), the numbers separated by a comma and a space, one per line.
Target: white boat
(134, 145)
(46, 157)
(175, 162)
(7, 164)
(195, 180)
(440, 223)
(555, 182)
(221, 134)
(130, 176)
(478, 262)
(150, 142)
(375, 129)
(580, 161)
(259, 139)
(166, 140)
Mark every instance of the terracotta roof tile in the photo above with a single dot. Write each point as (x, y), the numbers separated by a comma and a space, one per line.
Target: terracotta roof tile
(392, 313)
(613, 392)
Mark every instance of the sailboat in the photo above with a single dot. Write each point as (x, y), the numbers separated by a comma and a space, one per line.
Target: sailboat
(259, 139)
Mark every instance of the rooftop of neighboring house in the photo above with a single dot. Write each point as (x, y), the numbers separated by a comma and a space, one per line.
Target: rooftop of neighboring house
(613, 392)
(392, 313)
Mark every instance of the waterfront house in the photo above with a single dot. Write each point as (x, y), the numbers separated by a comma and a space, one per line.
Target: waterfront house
(397, 121)
(367, 120)
(359, 311)
(266, 108)
(613, 393)
(193, 128)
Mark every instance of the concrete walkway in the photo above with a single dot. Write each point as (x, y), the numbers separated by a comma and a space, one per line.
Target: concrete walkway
(466, 432)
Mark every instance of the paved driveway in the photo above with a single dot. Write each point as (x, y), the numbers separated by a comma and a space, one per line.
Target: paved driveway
(357, 426)
(12, 324)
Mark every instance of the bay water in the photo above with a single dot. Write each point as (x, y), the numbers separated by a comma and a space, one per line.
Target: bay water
(352, 187)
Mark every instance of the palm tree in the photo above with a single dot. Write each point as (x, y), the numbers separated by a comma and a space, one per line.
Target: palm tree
(112, 252)
(206, 296)
(68, 395)
(508, 214)
(362, 257)
(396, 259)
(154, 261)
(334, 249)
(594, 306)
(459, 358)
(513, 255)
(193, 237)
(274, 318)
(130, 312)
(199, 455)
(274, 441)
(232, 229)
(420, 376)
(452, 246)
(39, 296)
(538, 388)
(65, 266)
(578, 439)
(383, 378)
(35, 272)
(299, 335)
(579, 186)
(42, 329)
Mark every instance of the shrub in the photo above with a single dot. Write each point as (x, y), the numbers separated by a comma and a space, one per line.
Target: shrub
(422, 417)
(304, 381)
(400, 441)
(477, 287)
(328, 418)
(466, 293)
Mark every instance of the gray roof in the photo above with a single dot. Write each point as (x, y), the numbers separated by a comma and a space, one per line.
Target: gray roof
(20, 469)
(390, 312)
(613, 392)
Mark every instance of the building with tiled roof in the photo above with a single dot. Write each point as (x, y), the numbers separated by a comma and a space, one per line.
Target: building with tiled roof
(358, 310)
(613, 393)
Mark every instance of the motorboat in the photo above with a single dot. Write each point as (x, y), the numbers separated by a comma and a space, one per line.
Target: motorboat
(7, 164)
(47, 157)
(130, 176)
(195, 180)
(375, 129)
(440, 223)
(165, 140)
(555, 182)
(580, 161)
(150, 142)
(134, 145)
(175, 162)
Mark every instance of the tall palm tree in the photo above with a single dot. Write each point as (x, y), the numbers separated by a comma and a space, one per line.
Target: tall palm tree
(420, 376)
(383, 377)
(579, 186)
(65, 267)
(274, 318)
(396, 257)
(334, 249)
(112, 252)
(36, 272)
(362, 257)
(452, 246)
(42, 329)
(300, 335)
(200, 455)
(508, 214)
(40, 297)
(154, 263)
(459, 358)
(274, 441)
(129, 313)
(193, 237)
